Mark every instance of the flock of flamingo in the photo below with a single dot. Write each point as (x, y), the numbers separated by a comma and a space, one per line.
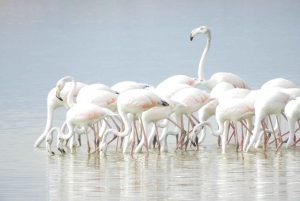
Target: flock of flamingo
(127, 108)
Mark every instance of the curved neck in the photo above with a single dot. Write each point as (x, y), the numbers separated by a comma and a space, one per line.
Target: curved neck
(201, 66)
(70, 99)
(212, 131)
(202, 135)
(66, 136)
(127, 123)
(50, 111)
(63, 127)
(103, 129)
(163, 124)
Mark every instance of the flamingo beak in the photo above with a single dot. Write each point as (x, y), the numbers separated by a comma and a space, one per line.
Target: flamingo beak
(191, 37)
(164, 103)
(58, 95)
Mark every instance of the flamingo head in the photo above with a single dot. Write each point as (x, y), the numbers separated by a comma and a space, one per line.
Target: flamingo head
(195, 132)
(198, 82)
(59, 86)
(73, 144)
(103, 148)
(200, 30)
(60, 145)
(49, 139)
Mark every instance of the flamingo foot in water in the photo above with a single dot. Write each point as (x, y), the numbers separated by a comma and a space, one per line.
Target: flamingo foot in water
(61, 150)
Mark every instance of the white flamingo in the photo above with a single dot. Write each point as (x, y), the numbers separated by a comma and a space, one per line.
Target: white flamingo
(192, 99)
(278, 82)
(154, 115)
(82, 99)
(209, 109)
(178, 79)
(292, 111)
(53, 103)
(217, 77)
(135, 102)
(85, 115)
(270, 102)
(231, 110)
(129, 85)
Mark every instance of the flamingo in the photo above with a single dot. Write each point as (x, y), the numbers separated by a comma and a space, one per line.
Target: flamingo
(233, 93)
(134, 102)
(229, 93)
(78, 130)
(178, 79)
(128, 85)
(192, 99)
(209, 109)
(104, 99)
(270, 102)
(101, 98)
(231, 110)
(257, 93)
(169, 89)
(83, 114)
(98, 86)
(54, 103)
(278, 82)
(154, 115)
(292, 111)
(83, 98)
(217, 77)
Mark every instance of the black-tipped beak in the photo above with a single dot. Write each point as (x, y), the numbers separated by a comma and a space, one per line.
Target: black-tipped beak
(59, 98)
(191, 37)
(164, 103)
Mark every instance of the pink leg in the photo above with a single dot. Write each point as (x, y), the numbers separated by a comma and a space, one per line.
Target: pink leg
(265, 135)
(279, 134)
(273, 131)
(133, 137)
(145, 137)
(157, 137)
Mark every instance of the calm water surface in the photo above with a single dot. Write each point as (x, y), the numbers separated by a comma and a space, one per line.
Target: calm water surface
(108, 42)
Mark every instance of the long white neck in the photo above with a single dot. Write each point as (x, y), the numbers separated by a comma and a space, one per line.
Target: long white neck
(127, 123)
(212, 131)
(70, 99)
(50, 111)
(201, 66)
(60, 135)
(163, 124)
(69, 134)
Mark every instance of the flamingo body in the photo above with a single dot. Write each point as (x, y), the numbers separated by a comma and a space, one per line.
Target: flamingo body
(278, 82)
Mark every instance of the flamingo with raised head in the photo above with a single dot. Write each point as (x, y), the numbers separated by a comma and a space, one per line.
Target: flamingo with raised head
(217, 77)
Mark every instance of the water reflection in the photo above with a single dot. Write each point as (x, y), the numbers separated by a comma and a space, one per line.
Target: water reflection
(175, 175)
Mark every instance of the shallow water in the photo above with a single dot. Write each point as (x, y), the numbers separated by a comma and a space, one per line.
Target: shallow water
(147, 42)
(175, 175)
